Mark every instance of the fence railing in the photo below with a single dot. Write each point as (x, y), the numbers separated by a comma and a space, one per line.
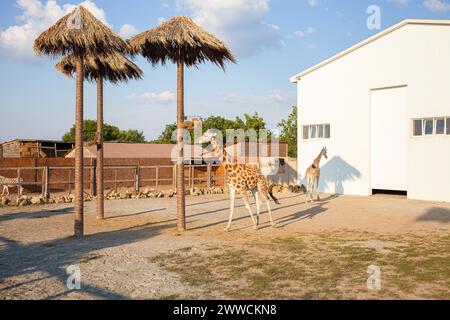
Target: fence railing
(61, 179)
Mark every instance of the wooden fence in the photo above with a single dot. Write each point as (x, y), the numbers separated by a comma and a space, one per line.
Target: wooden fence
(61, 179)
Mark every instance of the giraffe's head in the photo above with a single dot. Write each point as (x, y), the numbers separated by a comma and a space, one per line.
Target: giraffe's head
(209, 136)
(325, 152)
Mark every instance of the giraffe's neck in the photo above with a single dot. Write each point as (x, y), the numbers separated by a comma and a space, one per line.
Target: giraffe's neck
(224, 157)
(316, 163)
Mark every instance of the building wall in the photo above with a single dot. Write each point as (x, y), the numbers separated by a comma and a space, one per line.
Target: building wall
(11, 150)
(417, 56)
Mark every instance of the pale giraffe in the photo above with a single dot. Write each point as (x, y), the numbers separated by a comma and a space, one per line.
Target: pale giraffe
(10, 183)
(240, 179)
(313, 176)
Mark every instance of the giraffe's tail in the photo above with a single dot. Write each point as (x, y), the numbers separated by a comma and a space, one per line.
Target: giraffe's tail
(272, 196)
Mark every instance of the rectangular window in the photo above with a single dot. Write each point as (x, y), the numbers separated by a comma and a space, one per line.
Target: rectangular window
(316, 131)
(305, 132)
(428, 127)
(431, 126)
(440, 126)
(418, 127)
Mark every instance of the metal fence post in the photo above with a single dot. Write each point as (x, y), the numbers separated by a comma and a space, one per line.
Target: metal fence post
(115, 180)
(43, 181)
(46, 178)
(137, 179)
(209, 182)
(19, 185)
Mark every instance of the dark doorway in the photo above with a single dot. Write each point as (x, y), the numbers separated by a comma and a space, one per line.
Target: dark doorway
(389, 192)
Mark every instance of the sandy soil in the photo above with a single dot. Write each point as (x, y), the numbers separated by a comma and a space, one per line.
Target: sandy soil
(115, 257)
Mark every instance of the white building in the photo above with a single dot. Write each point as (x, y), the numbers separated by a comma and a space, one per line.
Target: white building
(382, 108)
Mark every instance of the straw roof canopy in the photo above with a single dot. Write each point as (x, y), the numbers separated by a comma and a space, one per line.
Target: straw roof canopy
(79, 32)
(180, 39)
(113, 67)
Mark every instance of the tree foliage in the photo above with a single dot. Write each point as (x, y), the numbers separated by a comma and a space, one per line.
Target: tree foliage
(255, 122)
(110, 133)
(289, 132)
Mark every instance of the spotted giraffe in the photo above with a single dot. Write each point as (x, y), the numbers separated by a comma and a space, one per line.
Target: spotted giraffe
(313, 176)
(10, 183)
(240, 179)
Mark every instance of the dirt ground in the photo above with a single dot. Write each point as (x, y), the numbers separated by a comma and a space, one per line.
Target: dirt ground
(316, 251)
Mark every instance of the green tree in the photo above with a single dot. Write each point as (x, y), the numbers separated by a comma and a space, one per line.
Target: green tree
(132, 136)
(289, 132)
(166, 136)
(110, 132)
(219, 123)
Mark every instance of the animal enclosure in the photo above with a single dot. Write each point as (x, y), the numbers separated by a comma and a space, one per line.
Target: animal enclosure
(46, 180)
(57, 175)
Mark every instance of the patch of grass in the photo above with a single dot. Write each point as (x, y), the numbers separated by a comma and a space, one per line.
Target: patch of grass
(317, 266)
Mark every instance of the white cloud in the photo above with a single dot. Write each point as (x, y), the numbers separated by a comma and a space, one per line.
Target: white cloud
(313, 3)
(276, 96)
(164, 97)
(240, 23)
(437, 5)
(128, 31)
(161, 20)
(309, 31)
(17, 41)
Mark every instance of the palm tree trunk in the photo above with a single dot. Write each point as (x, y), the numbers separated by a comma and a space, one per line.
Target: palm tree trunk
(79, 159)
(181, 201)
(99, 172)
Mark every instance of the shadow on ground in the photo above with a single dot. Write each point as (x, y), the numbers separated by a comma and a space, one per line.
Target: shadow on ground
(53, 257)
(441, 215)
(40, 214)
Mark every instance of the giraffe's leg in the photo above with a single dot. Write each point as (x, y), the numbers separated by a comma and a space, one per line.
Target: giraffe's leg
(264, 193)
(317, 187)
(256, 195)
(267, 199)
(232, 200)
(309, 183)
(3, 193)
(247, 205)
(307, 188)
(7, 190)
(311, 189)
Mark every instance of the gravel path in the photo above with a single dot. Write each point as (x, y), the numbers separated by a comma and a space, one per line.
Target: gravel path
(36, 245)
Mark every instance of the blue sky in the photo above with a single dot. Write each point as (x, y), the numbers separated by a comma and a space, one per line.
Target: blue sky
(272, 39)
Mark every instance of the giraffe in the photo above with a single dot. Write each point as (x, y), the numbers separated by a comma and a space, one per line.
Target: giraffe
(240, 179)
(313, 175)
(10, 183)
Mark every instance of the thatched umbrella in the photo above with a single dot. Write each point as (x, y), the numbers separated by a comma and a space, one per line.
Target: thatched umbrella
(81, 34)
(113, 67)
(183, 42)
